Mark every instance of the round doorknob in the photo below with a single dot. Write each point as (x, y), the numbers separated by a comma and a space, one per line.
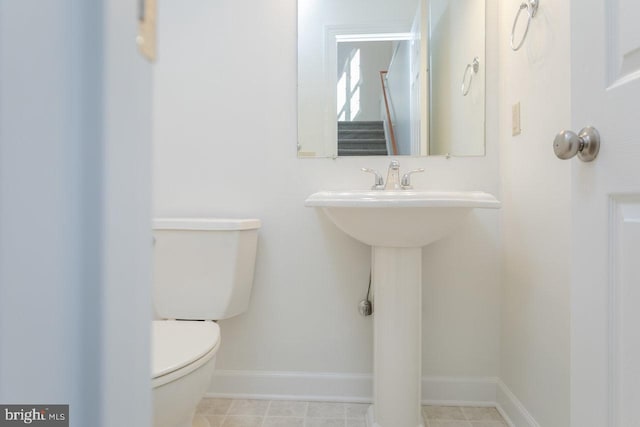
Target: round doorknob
(586, 144)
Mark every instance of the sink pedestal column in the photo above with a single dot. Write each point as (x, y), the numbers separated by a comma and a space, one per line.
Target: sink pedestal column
(398, 224)
(397, 342)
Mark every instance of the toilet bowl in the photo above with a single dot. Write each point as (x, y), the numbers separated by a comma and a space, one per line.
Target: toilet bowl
(203, 271)
(184, 355)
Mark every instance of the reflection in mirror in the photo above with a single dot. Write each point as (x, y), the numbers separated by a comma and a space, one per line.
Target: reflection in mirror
(364, 81)
(367, 74)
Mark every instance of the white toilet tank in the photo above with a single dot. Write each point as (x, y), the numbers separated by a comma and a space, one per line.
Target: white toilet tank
(203, 268)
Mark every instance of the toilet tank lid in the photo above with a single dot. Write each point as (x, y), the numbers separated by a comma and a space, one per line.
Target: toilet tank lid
(211, 224)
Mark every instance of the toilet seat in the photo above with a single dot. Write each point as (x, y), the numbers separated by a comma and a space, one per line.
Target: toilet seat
(180, 347)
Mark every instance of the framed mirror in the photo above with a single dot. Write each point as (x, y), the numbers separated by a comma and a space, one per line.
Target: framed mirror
(382, 77)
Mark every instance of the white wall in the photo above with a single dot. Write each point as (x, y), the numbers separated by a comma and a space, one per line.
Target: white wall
(225, 145)
(536, 215)
(74, 210)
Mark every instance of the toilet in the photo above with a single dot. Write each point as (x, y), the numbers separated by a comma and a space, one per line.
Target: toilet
(203, 272)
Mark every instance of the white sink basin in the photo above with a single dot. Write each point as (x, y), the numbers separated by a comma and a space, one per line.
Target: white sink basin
(404, 218)
(397, 224)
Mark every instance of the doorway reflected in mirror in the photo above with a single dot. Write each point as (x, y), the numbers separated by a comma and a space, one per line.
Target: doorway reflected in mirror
(366, 70)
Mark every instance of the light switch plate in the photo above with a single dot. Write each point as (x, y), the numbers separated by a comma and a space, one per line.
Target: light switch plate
(147, 29)
(515, 120)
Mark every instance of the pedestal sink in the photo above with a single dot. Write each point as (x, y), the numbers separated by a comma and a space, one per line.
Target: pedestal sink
(397, 224)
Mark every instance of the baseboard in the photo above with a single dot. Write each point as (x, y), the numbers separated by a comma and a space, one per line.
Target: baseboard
(339, 387)
(333, 387)
(511, 409)
(459, 391)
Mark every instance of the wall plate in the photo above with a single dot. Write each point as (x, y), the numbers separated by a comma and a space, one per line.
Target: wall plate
(515, 120)
(146, 39)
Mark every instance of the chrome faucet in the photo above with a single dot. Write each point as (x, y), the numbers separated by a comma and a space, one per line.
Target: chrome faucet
(393, 178)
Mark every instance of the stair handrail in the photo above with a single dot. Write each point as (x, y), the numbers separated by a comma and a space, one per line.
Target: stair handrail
(394, 145)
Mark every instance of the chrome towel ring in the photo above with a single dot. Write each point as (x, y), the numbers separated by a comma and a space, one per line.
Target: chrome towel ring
(532, 8)
(470, 71)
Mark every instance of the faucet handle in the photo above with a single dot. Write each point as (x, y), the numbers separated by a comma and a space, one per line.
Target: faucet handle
(406, 179)
(379, 182)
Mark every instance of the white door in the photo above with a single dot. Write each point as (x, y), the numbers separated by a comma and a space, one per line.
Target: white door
(605, 293)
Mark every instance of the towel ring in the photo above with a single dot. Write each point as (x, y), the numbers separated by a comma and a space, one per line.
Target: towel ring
(532, 8)
(473, 67)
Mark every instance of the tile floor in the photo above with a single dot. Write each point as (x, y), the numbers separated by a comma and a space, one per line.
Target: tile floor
(278, 413)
